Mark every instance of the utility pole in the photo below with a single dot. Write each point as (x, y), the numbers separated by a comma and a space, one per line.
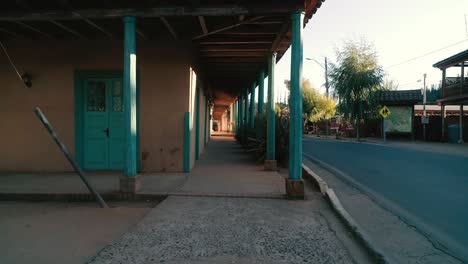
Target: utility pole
(326, 79)
(327, 92)
(424, 108)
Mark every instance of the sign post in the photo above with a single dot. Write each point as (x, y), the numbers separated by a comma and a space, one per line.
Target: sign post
(384, 112)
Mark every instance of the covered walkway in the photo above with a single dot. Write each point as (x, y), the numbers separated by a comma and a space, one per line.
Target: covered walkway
(223, 170)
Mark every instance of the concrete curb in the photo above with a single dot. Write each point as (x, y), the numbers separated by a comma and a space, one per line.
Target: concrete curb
(376, 253)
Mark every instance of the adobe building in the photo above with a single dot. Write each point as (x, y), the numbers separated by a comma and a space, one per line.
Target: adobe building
(131, 86)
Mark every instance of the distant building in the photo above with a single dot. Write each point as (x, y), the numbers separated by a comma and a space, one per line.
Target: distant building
(454, 89)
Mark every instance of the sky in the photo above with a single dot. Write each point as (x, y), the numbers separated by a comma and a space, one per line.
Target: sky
(398, 29)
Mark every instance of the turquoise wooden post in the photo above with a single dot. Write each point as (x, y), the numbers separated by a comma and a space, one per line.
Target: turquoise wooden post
(246, 109)
(129, 81)
(270, 161)
(197, 121)
(295, 185)
(261, 93)
(187, 142)
(207, 122)
(252, 107)
(241, 115)
(234, 115)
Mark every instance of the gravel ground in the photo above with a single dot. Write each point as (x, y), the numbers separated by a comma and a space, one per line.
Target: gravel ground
(228, 230)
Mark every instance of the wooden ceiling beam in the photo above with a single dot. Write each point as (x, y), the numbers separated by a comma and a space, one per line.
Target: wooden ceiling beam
(141, 34)
(65, 4)
(280, 36)
(244, 40)
(33, 29)
(14, 34)
(220, 48)
(94, 25)
(201, 20)
(254, 47)
(169, 27)
(62, 26)
(265, 23)
(234, 41)
(222, 10)
(232, 60)
(216, 66)
(232, 54)
(226, 28)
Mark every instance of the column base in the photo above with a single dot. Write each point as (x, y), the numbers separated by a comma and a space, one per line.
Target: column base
(130, 185)
(270, 165)
(461, 141)
(295, 189)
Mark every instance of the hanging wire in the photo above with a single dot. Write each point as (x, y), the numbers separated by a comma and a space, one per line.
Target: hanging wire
(12, 64)
(427, 54)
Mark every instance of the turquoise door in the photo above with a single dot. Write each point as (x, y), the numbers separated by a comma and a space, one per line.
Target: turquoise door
(104, 131)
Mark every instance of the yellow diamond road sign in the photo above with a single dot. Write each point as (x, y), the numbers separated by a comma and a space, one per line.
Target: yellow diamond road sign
(384, 111)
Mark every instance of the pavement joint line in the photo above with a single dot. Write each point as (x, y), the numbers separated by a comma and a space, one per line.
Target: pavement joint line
(226, 195)
(434, 237)
(77, 197)
(349, 221)
(117, 196)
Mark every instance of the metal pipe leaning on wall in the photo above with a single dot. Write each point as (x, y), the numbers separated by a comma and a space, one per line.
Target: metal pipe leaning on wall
(69, 157)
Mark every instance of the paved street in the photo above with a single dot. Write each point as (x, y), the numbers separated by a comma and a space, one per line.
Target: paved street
(426, 188)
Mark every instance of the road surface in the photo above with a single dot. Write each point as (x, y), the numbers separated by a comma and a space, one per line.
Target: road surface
(429, 189)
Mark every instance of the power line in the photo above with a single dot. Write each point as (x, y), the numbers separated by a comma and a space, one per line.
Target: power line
(406, 84)
(429, 53)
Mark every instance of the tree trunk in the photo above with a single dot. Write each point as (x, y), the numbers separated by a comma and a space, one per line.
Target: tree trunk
(358, 123)
(357, 129)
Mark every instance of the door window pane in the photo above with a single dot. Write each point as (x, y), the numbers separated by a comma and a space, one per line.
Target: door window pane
(96, 101)
(117, 97)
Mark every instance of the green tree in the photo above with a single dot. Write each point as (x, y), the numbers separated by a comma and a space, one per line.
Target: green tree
(389, 85)
(315, 106)
(355, 76)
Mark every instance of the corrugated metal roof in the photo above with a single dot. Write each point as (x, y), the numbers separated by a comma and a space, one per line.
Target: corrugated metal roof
(402, 97)
(450, 61)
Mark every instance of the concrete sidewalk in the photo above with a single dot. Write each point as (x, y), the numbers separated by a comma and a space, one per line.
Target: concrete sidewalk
(223, 170)
(202, 229)
(236, 230)
(192, 226)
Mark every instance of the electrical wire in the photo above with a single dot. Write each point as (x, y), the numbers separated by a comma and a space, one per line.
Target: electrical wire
(11, 63)
(429, 53)
(410, 83)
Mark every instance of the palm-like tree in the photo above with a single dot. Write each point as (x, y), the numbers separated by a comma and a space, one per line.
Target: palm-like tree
(354, 77)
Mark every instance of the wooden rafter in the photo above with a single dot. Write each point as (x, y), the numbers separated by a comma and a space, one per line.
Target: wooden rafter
(33, 29)
(121, 12)
(250, 31)
(201, 20)
(238, 40)
(233, 54)
(169, 27)
(280, 36)
(232, 60)
(62, 26)
(142, 34)
(222, 48)
(94, 25)
(10, 32)
(65, 4)
(227, 27)
(265, 22)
